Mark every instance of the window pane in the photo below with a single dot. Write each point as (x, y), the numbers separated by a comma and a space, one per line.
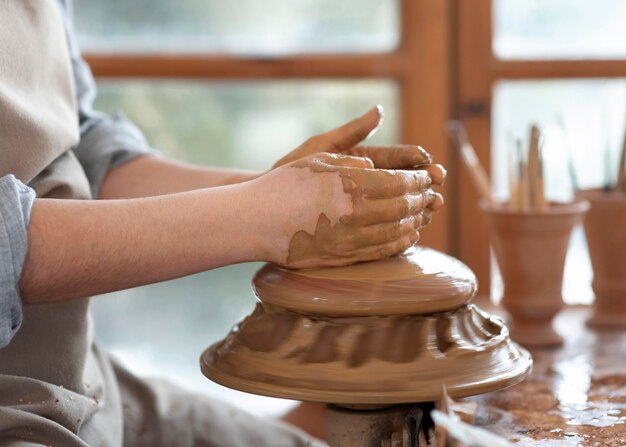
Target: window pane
(160, 330)
(242, 26)
(543, 29)
(584, 118)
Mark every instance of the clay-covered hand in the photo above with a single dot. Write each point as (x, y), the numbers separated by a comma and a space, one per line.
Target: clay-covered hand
(332, 209)
(345, 140)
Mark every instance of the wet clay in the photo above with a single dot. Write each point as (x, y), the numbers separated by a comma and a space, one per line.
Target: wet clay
(530, 247)
(354, 335)
(576, 395)
(388, 207)
(393, 157)
(371, 360)
(605, 230)
(418, 281)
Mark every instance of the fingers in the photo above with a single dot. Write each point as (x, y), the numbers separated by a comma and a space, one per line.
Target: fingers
(381, 233)
(438, 202)
(350, 134)
(400, 156)
(370, 212)
(437, 173)
(381, 251)
(378, 183)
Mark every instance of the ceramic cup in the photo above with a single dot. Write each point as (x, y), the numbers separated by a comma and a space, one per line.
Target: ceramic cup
(605, 229)
(530, 248)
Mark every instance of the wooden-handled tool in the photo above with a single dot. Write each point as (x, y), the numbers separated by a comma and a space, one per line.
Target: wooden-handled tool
(536, 194)
(456, 132)
(514, 179)
(523, 187)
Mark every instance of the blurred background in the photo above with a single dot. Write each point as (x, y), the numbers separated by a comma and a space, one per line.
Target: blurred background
(240, 83)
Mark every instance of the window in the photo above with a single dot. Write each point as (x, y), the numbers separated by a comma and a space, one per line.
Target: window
(239, 84)
(241, 27)
(559, 29)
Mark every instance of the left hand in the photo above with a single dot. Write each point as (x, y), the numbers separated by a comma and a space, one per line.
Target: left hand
(345, 140)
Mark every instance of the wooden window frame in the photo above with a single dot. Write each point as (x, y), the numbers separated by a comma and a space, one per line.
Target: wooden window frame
(420, 66)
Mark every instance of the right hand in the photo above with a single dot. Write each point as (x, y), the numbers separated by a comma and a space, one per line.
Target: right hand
(332, 209)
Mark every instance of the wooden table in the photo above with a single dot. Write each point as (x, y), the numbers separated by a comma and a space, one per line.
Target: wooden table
(576, 395)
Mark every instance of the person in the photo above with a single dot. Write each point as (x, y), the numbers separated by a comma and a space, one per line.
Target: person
(329, 202)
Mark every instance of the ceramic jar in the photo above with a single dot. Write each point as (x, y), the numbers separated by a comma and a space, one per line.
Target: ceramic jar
(530, 248)
(605, 230)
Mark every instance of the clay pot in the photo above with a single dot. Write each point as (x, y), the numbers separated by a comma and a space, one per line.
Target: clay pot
(385, 332)
(605, 229)
(530, 247)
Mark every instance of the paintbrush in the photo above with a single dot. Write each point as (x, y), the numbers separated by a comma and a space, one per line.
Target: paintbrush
(523, 187)
(514, 191)
(456, 132)
(537, 200)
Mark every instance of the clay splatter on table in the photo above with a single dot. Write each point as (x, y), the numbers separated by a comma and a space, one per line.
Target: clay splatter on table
(576, 395)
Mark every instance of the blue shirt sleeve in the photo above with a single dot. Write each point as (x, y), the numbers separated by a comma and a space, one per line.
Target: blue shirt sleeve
(106, 141)
(16, 201)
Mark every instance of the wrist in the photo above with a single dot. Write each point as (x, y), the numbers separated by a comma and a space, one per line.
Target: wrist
(258, 213)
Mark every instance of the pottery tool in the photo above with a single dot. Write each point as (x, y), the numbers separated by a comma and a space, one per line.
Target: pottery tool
(608, 171)
(537, 200)
(456, 132)
(523, 184)
(620, 184)
(514, 191)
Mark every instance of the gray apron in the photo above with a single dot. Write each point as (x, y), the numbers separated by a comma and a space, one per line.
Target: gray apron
(57, 388)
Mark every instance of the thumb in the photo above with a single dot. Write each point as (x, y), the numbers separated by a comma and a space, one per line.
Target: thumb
(352, 133)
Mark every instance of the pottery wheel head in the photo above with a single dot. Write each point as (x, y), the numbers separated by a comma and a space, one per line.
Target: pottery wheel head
(419, 281)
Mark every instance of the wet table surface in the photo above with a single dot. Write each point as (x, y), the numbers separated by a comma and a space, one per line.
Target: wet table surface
(576, 395)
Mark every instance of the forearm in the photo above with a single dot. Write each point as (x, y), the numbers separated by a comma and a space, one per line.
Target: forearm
(83, 248)
(152, 176)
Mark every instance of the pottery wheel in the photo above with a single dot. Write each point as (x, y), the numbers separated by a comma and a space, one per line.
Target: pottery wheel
(384, 332)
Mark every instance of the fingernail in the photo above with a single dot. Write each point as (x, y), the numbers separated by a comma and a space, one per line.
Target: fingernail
(381, 111)
(426, 154)
(381, 116)
(445, 174)
(414, 237)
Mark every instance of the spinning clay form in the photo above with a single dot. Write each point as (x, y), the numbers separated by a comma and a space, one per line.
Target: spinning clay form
(383, 332)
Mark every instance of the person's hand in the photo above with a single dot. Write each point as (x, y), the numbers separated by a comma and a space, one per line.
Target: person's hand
(345, 140)
(333, 209)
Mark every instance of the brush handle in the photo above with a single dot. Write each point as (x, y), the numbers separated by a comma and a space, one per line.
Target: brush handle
(537, 199)
(514, 182)
(456, 131)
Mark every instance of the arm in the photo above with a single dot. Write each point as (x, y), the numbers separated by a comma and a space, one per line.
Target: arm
(82, 248)
(322, 210)
(151, 176)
